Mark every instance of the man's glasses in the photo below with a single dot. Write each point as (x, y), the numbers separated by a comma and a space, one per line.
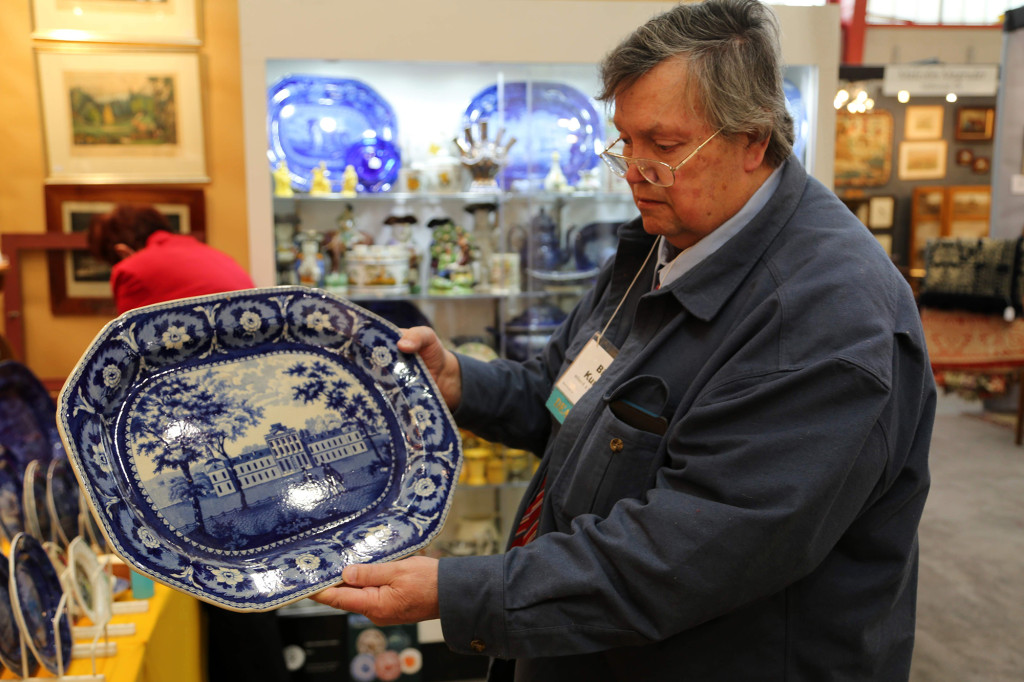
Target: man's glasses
(655, 172)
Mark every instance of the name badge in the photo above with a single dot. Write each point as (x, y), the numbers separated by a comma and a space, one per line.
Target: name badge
(583, 373)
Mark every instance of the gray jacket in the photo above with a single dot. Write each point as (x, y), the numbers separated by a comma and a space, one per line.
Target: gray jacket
(771, 532)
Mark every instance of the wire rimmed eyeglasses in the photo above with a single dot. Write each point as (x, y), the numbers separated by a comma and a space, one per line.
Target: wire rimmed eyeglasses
(657, 173)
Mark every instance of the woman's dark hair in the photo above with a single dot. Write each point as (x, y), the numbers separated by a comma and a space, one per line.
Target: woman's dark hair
(129, 224)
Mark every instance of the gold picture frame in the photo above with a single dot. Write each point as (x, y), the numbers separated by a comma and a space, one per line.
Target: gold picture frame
(975, 123)
(923, 160)
(923, 122)
(159, 23)
(122, 115)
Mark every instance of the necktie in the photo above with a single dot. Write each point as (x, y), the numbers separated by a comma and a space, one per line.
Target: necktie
(527, 528)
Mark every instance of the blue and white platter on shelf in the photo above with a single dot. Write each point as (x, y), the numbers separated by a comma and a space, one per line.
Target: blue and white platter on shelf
(313, 119)
(35, 598)
(544, 117)
(245, 447)
(28, 428)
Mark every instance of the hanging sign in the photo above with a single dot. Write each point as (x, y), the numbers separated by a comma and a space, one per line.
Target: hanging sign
(922, 80)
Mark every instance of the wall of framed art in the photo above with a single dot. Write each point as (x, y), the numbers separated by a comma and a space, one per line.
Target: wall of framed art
(927, 143)
(54, 342)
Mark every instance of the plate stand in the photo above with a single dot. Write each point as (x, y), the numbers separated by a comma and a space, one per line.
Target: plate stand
(77, 651)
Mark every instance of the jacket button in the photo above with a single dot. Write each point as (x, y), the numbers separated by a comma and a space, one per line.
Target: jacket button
(477, 645)
(616, 445)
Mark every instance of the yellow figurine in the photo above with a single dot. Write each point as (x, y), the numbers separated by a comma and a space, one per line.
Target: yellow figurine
(320, 184)
(282, 181)
(349, 181)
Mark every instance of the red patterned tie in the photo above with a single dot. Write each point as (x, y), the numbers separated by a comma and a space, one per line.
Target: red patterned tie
(527, 528)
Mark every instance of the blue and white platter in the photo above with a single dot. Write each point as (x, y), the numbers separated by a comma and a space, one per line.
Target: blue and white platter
(245, 447)
(313, 119)
(544, 117)
(36, 594)
(28, 428)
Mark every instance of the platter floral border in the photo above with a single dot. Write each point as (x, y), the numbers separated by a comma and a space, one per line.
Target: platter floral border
(152, 341)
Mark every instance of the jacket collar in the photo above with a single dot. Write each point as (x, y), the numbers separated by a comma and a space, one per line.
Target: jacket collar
(705, 289)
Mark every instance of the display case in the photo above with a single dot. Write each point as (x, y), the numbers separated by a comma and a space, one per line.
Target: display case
(433, 64)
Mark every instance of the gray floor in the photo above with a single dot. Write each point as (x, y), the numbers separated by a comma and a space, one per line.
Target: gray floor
(970, 623)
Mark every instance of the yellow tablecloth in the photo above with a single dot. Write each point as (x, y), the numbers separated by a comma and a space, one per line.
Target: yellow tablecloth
(166, 646)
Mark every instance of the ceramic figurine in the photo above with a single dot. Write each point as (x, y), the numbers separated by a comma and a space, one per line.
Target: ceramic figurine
(556, 180)
(349, 181)
(282, 181)
(310, 267)
(451, 257)
(320, 184)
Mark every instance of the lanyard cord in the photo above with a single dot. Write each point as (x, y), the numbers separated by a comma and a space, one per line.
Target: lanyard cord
(629, 288)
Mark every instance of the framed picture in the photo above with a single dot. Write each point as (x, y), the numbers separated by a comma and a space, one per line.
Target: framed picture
(969, 201)
(922, 160)
(981, 164)
(123, 21)
(79, 283)
(863, 149)
(964, 157)
(122, 115)
(881, 211)
(975, 123)
(923, 122)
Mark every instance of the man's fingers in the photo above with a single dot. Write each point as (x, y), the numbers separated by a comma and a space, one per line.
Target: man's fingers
(351, 599)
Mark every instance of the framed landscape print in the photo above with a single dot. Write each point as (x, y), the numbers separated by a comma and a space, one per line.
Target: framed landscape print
(863, 149)
(79, 283)
(117, 116)
(975, 123)
(123, 21)
(923, 122)
(923, 160)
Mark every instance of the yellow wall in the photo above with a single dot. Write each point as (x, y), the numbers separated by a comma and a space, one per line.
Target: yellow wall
(54, 344)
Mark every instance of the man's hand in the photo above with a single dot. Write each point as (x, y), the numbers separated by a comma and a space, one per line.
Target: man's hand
(394, 593)
(441, 362)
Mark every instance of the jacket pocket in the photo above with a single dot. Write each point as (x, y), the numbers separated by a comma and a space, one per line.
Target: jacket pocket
(614, 461)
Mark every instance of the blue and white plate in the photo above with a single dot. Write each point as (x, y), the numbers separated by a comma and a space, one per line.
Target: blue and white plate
(10, 634)
(376, 163)
(35, 596)
(313, 119)
(62, 500)
(12, 519)
(33, 502)
(28, 428)
(544, 117)
(245, 447)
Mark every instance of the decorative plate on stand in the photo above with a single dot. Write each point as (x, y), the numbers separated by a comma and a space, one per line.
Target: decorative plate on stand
(245, 447)
(10, 634)
(90, 584)
(12, 519)
(35, 599)
(545, 118)
(33, 498)
(28, 429)
(62, 500)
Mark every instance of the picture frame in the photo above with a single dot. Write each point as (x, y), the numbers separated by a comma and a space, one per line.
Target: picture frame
(117, 115)
(79, 283)
(165, 22)
(964, 157)
(981, 164)
(922, 160)
(881, 212)
(975, 123)
(863, 154)
(923, 122)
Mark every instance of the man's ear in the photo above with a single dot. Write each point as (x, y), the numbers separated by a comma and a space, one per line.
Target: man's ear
(123, 250)
(754, 153)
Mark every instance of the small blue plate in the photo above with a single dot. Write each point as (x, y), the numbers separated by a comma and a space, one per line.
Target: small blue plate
(62, 500)
(376, 162)
(34, 600)
(33, 498)
(12, 519)
(245, 447)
